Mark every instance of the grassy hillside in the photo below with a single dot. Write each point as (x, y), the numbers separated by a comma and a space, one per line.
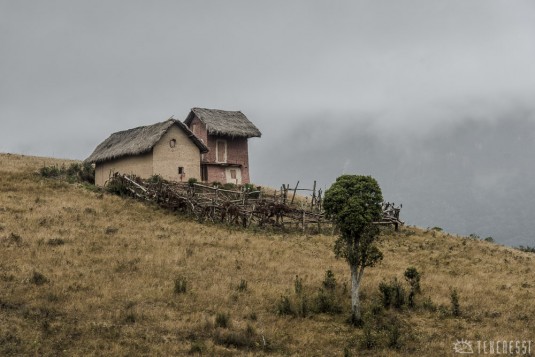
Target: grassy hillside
(87, 273)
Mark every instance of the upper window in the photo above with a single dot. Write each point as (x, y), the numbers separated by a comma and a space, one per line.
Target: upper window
(172, 143)
(221, 151)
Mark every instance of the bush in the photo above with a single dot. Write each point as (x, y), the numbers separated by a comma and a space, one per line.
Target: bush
(527, 249)
(38, 278)
(192, 181)
(284, 306)
(230, 186)
(489, 239)
(392, 294)
(242, 286)
(329, 283)
(413, 278)
(55, 242)
(75, 172)
(298, 285)
(326, 303)
(180, 285)
(222, 320)
(455, 306)
(49, 171)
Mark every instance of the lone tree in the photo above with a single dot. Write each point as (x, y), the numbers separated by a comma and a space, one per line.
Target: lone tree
(354, 202)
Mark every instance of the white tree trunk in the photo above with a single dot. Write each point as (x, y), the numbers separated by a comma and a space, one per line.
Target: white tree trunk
(355, 301)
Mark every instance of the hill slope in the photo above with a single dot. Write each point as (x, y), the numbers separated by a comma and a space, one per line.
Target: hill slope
(87, 273)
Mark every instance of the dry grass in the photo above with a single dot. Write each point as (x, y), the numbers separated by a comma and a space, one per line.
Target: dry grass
(84, 273)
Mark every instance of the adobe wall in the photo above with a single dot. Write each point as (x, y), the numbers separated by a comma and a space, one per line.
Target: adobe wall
(140, 165)
(167, 159)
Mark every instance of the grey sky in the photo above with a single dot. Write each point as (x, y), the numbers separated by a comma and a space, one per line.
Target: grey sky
(434, 98)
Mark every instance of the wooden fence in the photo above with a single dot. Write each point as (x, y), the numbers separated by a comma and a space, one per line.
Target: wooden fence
(283, 208)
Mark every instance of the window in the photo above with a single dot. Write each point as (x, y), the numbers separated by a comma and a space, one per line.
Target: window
(181, 170)
(221, 151)
(172, 143)
(233, 174)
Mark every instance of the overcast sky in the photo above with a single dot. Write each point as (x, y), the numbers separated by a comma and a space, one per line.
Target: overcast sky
(433, 98)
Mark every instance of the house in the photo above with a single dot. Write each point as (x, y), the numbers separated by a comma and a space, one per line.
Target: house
(226, 134)
(168, 149)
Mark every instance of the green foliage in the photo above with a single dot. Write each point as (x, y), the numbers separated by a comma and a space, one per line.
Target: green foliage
(298, 285)
(437, 229)
(75, 172)
(326, 303)
(386, 294)
(489, 239)
(38, 278)
(181, 285)
(413, 278)
(455, 305)
(242, 286)
(392, 294)
(192, 181)
(473, 236)
(55, 241)
(329, 283)
(117, 187)
(368, 340)
(155, 179)
(354, 202)
(527, 249)
(284, 306)
(230, 186)
(222, 320)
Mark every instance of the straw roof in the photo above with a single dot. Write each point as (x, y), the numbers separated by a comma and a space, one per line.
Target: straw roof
(138, 141)
(222, 122)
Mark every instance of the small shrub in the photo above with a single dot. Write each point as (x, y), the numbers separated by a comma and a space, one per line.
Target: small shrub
(243, 339)
(117, 187)
(197, 347)
(368, 340)
(298, 285)
(38, 278)
(242, 286)
(230, 186)
(474, 236)
(437, 229)
(130, 318)
(526, 249)
(303, 308)
(55, 242)
(50, 171)
(392, 294)
(111, 230)
(329, 283)
(413, 278)
(222, 320)
(284, 306)
(181, 285)
(192, 181)
(455, 306)
(394, 335)
(155, 179)
(326, 303)
(386, 294)
(14, 239)
(489, 239)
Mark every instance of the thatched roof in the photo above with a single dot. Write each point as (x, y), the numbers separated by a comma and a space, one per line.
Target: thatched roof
(222, 122)
(138, 141)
